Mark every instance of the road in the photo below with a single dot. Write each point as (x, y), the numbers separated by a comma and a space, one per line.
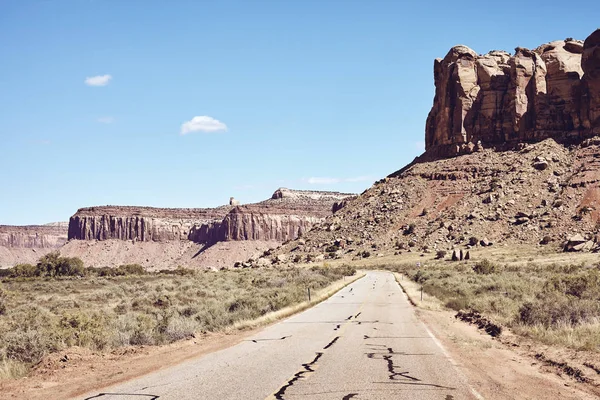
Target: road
(365, 342)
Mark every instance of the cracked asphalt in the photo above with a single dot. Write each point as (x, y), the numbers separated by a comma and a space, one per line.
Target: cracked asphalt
(365, 342)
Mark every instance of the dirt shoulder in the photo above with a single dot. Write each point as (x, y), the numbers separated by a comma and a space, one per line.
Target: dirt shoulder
(504, 367)
(75, 371)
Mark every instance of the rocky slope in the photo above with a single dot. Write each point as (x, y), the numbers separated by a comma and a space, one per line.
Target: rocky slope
(28, 243)
(512, 158)
(552, 91)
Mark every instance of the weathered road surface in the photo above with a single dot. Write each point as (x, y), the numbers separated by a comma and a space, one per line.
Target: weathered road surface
(365, 342)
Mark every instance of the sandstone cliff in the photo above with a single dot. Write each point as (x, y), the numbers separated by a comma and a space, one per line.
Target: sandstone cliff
(496, 99)
(25, 244)
(33, 236)
(284, 216)
(146, 224)
(160, 238)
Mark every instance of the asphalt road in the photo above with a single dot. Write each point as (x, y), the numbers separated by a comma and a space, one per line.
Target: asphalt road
(364, 342)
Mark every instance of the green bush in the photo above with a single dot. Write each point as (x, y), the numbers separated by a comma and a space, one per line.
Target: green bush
(130, 269)
(23, 270)
(440, 254)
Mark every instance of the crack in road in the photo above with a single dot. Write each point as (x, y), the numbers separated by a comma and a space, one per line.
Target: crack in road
(269, 339)
(150, 396)
(298, 375)
(331, 343)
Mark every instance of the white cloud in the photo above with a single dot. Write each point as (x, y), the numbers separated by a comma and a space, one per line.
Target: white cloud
(98, 80)
(202, 123)
(105, 120)
(322, 180)
(331, 181)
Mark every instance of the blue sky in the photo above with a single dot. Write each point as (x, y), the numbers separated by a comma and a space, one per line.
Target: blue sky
(324, 95)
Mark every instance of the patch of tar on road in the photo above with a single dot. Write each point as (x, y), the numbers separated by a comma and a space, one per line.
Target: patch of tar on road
(449, 397)
(395, 337)
(331, 343)
(148, 396)
(307, 369)
(268, 339)
(349, 396)
(404, 377)
(337, 327)
(356, 316)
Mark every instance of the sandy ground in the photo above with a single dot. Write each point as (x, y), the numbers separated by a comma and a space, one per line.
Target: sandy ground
(164, 255)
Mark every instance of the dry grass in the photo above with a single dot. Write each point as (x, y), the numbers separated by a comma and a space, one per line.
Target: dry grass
(44, 315)
(553, 298)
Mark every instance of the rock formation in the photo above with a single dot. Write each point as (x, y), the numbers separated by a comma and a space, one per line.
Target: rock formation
(25, 244)
(496, 99)
(50, 236)
(147, 224)
(281, 218)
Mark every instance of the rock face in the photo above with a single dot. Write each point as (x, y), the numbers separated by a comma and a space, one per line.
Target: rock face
(496, 99)
(146, 224)
(26, 244)
(285, 216)
(33, 236)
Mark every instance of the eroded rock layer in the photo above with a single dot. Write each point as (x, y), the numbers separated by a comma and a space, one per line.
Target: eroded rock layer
(33, 236)
(286, 215)
(552, 91)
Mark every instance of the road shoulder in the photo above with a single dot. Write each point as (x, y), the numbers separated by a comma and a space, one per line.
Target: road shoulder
(495, 369)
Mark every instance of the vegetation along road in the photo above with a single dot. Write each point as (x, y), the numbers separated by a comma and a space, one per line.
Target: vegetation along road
(365, 342)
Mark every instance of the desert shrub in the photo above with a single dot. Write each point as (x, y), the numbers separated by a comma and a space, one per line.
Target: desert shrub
(410, 229)
(86, 329)
(419, 276)
(458, 303)
(130, 269)
(440, 254)
(365, 254)
(485, 267)
(23, 270)
(52, 264)
(297, 258)
(554, 311)
(473, 241)
(3, 301)
(585, 285)
(28, 346)
(101, 271)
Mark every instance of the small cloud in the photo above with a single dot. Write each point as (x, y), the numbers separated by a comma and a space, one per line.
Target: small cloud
(202, 123)
(105, 120)
(99, 80)
(322, 180)
(420, 145)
